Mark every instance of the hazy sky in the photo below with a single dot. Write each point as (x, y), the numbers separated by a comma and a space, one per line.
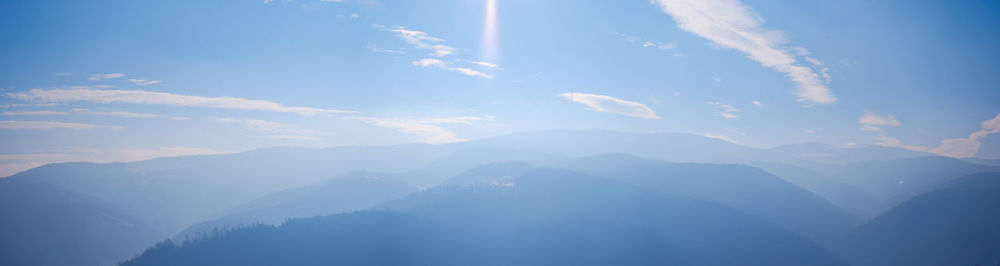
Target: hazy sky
(126, 80)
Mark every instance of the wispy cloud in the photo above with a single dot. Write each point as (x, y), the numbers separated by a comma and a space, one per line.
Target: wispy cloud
(896, 143)
(728, 23)
(42, 125)
(16, 105)
(483, 64)
(33, 113)
(436, 63)
(430, 62)
(726, 110)
(646, 43)
(274, 130)
(143, 82)
(757, 103)
(957, 147)
(161, 98)
(427, 128)
(872, 122)
(134, 115)
(968, 147)
(719, 137)
(871, 128)
(106, 76)
(421, 40)
(380, 50)
(84, 111)
(465, 120)
(608, 104)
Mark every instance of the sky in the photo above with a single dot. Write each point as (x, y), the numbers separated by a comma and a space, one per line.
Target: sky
(117, 80)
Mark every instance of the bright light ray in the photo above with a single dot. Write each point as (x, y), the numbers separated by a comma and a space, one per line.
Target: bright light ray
(490, 45)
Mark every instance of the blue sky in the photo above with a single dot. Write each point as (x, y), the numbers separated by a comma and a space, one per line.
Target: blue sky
(126, 80)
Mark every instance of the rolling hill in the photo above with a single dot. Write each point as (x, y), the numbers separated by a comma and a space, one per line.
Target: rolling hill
(538, 217)
(957, 224)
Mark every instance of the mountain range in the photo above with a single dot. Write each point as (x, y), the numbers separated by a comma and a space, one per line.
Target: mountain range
(544, 195)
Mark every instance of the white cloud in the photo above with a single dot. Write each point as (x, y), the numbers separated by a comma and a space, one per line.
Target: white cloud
(426, 128)
(727, 110)
(483, 64)
(436, 63)
(15, 105)
(718, 137)
(380, 50)
(106, 76)
(809, 131)
(646, 43)
(889, 141)
(430, 62)
(758, 104)
(466, 120)
(896, 143)
(968, 147)
(728, 23)
(133, 115)
(470, 72)
(32, 113)
(608, 104)
(84, 111)
(161, 98)
(871, 128)
(143, 82)
(274, 130)
(421, 40)
(872, 121)
(41, 125)
(957, 147)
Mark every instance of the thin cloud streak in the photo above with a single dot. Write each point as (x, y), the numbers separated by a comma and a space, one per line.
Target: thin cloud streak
(274, 130)
(728, 111)
(608, 104)
(421, 40)
(143, 82)
(968, 147)
(32, 113)
(872, 122)
(105, 76)
(730, 24)
(718, 137)
(135, 115)
(436, 63)
(426, 128)
(162, 98)
(44, 125)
